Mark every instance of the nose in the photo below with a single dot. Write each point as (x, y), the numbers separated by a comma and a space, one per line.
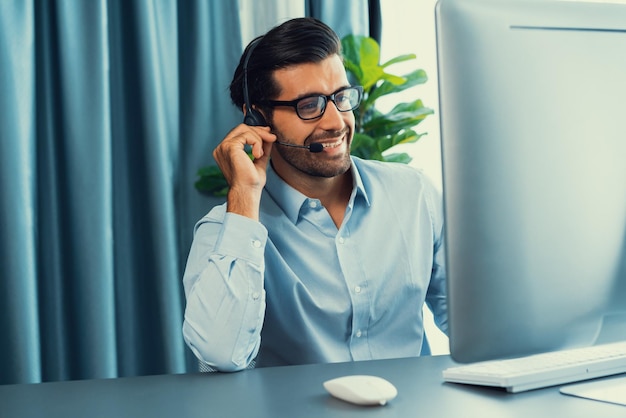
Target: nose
(333, 119)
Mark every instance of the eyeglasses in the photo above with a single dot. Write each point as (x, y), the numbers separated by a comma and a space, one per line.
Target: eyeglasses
(313, 107)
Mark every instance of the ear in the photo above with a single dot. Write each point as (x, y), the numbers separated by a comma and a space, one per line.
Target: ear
(253, 117)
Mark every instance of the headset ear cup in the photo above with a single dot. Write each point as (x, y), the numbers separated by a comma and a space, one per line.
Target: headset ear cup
(254, 118)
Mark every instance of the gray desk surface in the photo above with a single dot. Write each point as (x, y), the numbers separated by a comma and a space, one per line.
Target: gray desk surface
(292, 392)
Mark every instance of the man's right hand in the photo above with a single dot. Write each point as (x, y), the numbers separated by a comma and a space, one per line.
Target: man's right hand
(246, 177)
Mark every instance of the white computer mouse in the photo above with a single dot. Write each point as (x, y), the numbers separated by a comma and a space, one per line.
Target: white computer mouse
(361, 389)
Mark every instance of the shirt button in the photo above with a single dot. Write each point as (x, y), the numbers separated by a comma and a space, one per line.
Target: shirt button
(341, 240)
(256, 243)
(313, 204)
(255, 295)
(358, 334)
(357, 289)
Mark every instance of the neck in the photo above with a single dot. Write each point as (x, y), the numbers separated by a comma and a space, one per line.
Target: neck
(333, 192)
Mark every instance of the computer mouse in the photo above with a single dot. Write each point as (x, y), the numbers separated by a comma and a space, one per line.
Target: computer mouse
(361, 389)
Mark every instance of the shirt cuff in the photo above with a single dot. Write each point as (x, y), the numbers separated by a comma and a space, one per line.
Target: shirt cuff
(242, 238)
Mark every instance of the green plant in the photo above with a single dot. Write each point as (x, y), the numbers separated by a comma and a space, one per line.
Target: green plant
(375, 132)
(211, 181)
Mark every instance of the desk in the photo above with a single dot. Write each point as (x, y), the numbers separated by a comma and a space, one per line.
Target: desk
(291, 392)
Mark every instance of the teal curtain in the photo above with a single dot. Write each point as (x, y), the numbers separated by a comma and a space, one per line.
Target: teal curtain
(107, 110)
(358, 17)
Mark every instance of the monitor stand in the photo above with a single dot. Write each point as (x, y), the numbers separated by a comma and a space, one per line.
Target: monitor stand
(609, 389)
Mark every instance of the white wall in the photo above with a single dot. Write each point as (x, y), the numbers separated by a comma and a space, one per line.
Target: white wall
(409, 27)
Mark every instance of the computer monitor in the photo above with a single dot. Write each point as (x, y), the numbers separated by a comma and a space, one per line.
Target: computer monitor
(533, 125)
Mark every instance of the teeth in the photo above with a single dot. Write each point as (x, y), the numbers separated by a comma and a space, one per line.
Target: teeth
(333, 144)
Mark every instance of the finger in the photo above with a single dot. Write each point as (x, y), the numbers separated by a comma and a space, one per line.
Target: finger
(261, 149)
(263, 159)
(237, 140)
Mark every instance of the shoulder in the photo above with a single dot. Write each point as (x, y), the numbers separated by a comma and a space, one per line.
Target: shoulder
(391, 174)
(397, 182)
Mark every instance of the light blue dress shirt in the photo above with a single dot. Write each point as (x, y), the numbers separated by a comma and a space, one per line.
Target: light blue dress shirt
(294, 289)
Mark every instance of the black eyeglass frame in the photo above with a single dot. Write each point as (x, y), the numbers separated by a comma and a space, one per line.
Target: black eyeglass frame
(330, 97)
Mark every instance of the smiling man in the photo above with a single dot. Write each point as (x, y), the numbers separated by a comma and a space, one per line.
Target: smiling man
(316, 256)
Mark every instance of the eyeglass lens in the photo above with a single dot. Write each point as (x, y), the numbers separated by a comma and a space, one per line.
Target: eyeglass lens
(312, 107)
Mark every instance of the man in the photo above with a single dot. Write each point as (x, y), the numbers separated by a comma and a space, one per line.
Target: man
(316, 256)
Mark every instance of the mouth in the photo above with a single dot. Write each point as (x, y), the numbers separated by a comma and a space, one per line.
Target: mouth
(333, 144)
(330, 140)
(336, 143)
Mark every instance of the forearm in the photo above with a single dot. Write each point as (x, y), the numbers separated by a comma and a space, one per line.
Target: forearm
(244, 202)
(225, 296)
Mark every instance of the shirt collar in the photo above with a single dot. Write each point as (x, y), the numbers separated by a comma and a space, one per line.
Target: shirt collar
(291, 201)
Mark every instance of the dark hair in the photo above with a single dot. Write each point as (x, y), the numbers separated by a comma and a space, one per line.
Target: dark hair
(297, 41)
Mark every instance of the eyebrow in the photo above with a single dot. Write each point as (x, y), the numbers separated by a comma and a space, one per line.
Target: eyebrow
(314, 94)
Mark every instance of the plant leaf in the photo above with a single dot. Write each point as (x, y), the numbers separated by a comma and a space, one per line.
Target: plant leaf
(403, 116)
(364, 146)
(211, 181)
(399, 58)
(401, 157)
(407, 136)
(350, 46)
(412, 79)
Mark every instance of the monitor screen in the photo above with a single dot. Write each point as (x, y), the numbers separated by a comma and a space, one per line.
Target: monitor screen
(533, 125)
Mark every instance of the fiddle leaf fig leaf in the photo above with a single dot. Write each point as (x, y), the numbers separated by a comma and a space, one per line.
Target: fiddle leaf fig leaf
(401, 157)
(400, 58)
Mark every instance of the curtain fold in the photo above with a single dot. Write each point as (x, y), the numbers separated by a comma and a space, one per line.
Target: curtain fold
(75, 250)
(97, 198)
(345, 17)
(207, 60)
(19, 311)
(107, 110)
(144, 91)
(375, 20)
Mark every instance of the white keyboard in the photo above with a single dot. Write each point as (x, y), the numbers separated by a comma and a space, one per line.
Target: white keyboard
(543, 370)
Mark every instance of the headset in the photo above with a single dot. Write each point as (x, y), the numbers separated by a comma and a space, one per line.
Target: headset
(253, 117)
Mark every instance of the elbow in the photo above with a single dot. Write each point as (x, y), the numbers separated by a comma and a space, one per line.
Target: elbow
(219, 357)
(224, 365)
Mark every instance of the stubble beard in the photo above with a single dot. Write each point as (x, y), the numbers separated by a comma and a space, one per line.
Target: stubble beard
(316, 164)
